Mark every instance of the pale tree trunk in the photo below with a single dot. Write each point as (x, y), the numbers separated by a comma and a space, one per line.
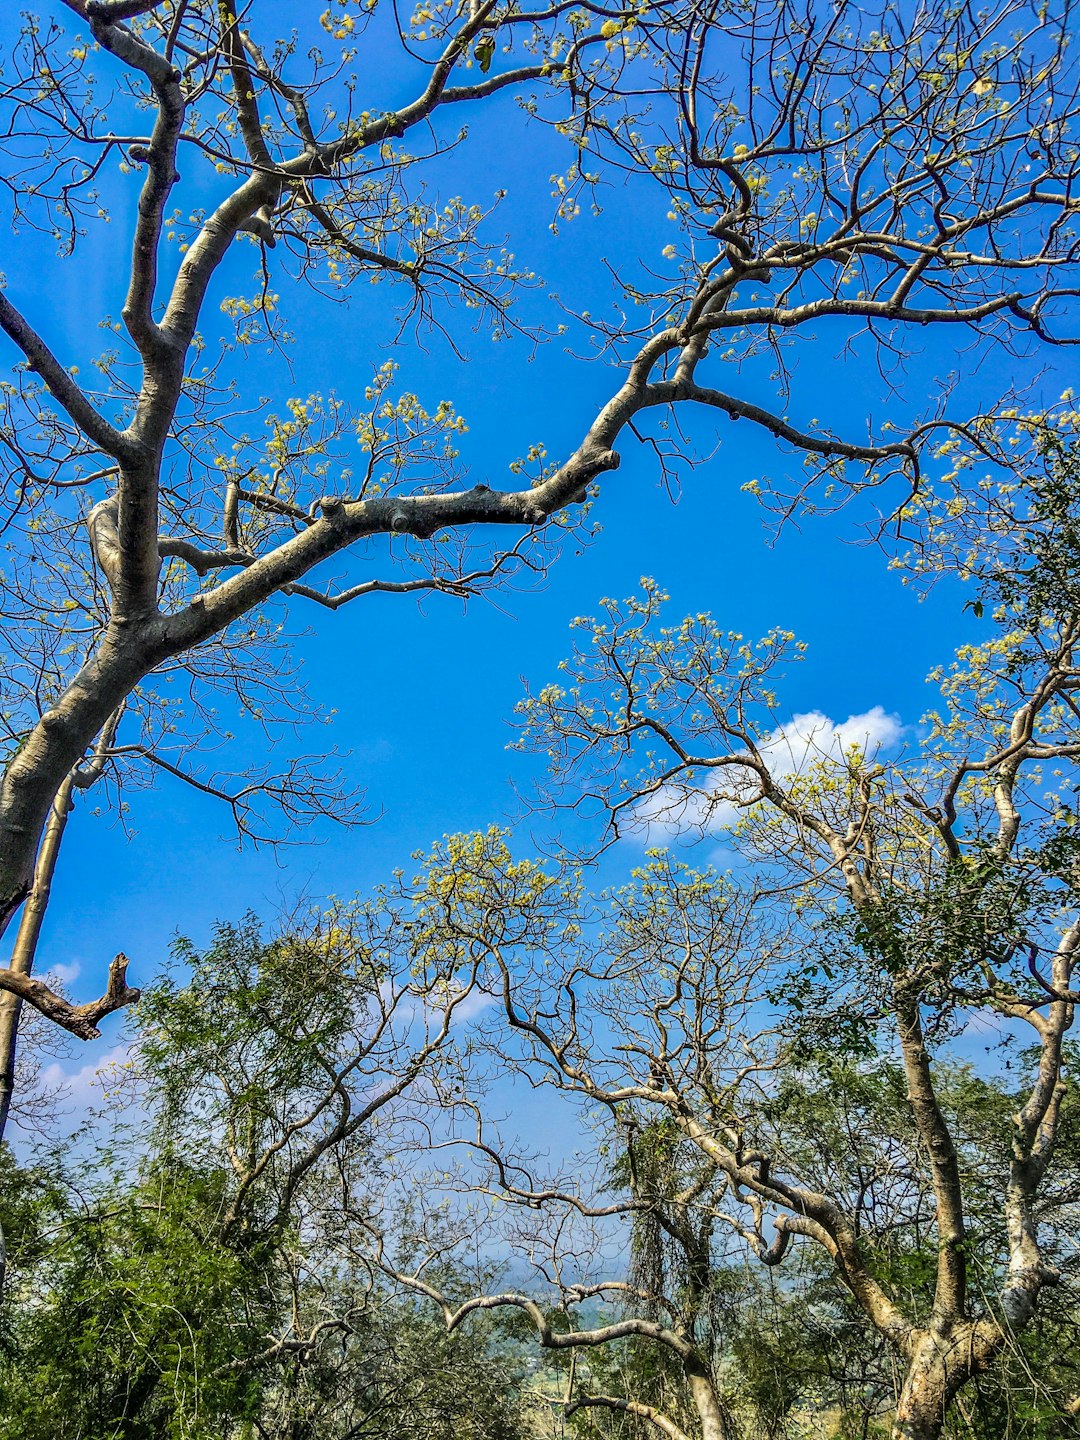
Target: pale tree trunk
(54, 747)
(22, 960)
(920, 1413)
(26, 941)
(713, 1425)
(939, 1364)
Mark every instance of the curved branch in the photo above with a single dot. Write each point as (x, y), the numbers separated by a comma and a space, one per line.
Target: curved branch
(630, 1407)
(78, 1020)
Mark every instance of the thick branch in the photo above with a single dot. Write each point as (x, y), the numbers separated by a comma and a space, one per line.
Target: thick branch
(59, 381)
(950, 1291)
(78, 1020)
(629, 1407)
(550, 1339)
(776, 425)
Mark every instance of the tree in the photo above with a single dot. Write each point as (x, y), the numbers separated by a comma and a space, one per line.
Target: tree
(663, 1021)
(136, 1316)
(878, 903)
(195, 1276)
(876, 174)
(955, 875)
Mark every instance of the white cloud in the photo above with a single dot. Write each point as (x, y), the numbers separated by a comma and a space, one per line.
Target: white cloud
(64, 974)
(808, 739)
(789, 751)
(81, 1090)
(474, 1004)
(429, 1009)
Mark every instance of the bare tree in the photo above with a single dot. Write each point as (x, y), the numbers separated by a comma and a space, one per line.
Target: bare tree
(645, 1200)
(873, 174)
(878, 902)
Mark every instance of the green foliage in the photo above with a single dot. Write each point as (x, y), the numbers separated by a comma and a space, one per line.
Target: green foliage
(201, 1282)
(126, 1308)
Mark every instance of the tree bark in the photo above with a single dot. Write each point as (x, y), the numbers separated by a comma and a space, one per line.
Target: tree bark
(950, 1296)
(940, 1362)
(920, 1413)
(26, 941)
(713, 1425)
(57, 744)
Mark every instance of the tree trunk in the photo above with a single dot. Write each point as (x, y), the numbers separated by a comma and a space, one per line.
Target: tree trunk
(26, 942)
(940, 1362)
(22, 959)
(713, 1425)
(920, 1413)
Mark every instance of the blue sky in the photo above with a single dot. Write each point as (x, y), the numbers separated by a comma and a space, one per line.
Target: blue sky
(424, 693)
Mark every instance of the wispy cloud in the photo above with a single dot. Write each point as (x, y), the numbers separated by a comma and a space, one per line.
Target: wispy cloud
(81, 1090)
(64, 974)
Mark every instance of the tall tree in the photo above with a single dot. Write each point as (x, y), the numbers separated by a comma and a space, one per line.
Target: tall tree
(880, 900)
(670, 1019)
(195, 1275)
(955, 873)
(825, 166)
